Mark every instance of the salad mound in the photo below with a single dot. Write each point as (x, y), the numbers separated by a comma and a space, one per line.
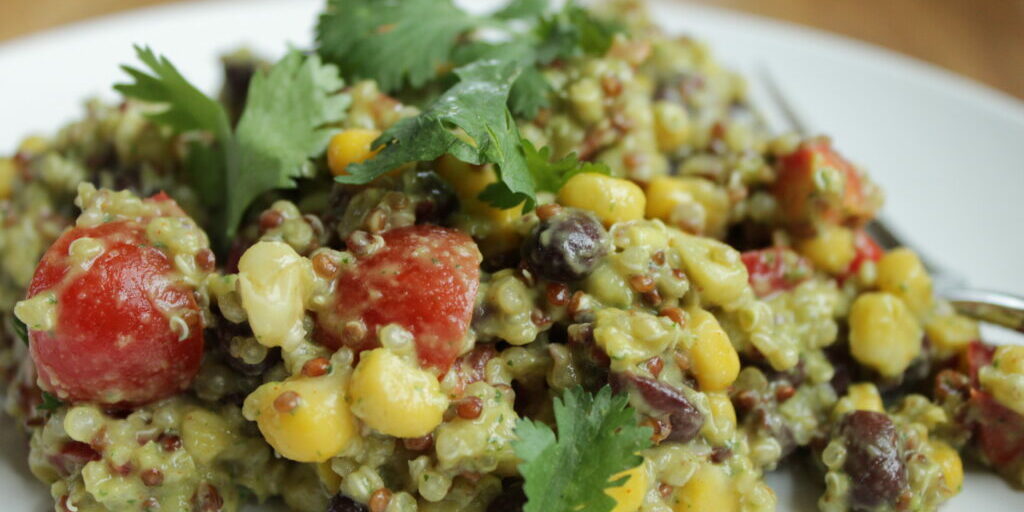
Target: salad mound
(542, 259)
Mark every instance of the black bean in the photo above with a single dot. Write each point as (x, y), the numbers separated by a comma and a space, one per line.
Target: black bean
(567, 246)
(342, 503)
(685, 418)
(435, 200)
(878, 475)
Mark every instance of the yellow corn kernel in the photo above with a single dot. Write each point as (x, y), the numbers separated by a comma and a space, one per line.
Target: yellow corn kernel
(722, 424)
(671, 125)
(715, 362)
(831, 249)
(205, 435)
(394, 396)
(901, 273)
(1004, 378)
(630, 495)
(952, 467)
(859, 397)
(666, 193)
(613, 200)
(951, 333)
(709, 489)
(865, 397)
(350, 147)
(884, 334)
(468, 181)
(6, 178)
(273, 282)
(306, 419)
(714, 267)
(1009, 359)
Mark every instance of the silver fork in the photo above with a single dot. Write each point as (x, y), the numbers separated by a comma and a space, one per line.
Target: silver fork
(1003, 309)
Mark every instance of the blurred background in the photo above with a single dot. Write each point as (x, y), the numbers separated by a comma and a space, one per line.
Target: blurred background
(981, 39)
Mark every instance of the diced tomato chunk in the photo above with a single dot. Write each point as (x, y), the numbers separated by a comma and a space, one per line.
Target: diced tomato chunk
(805, 195)
(998, 429)
(865, 249)
(126, 330)
(977, 355)
(775, 269)
(424, 279)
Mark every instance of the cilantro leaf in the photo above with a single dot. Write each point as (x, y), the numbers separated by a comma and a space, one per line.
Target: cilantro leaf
(551, 175)
(598, 437)
(50, 403)
(391, 41)
(188, 109)
(20, 329)
(530, 93)
(547, 175)
(568, 33)
(518, 9)
(476, 106)
(282, 127)
(572, 32)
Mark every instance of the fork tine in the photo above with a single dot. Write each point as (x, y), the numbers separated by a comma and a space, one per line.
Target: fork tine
(880, 231)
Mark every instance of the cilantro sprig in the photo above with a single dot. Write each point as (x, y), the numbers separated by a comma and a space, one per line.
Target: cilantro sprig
(547, 175)
(598, 437)
(476, 106)
(290, 108)
(283, 125)
(373, 39)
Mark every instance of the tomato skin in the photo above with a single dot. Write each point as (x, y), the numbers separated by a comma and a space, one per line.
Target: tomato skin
(998, 429)
(775, 269)
(424, 279)
(977, 355)
(867, 249)
(797, 193)
(113, 343)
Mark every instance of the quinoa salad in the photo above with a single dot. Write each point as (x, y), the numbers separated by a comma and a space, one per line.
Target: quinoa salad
(543, 259)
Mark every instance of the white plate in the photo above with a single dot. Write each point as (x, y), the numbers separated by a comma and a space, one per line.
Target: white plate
(949, 152)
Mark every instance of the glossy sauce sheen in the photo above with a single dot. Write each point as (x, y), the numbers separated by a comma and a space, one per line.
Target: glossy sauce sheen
(113, 342)
(424, 279)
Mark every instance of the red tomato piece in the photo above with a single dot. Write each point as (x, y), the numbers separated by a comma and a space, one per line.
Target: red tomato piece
(977, 355)
(798, 191)
(865, 249)
(775, 269)
(113, 342)
(999, 430)
(424, 279)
